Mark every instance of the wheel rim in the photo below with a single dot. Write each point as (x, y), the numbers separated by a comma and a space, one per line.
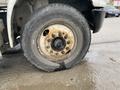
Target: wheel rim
(56, 42)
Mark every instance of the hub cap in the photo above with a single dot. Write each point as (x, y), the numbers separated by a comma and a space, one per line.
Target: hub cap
(56, 42)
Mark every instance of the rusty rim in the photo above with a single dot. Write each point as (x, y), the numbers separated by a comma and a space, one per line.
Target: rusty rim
(56, 42)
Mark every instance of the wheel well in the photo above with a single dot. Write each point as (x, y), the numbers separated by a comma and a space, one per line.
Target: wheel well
(25, 8)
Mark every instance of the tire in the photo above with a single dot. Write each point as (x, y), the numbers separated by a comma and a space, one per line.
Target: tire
(62, 16)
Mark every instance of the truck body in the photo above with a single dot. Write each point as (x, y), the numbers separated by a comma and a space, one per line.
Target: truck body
(15, 15)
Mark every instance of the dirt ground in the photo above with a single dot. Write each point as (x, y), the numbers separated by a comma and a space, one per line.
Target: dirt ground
(100, 69)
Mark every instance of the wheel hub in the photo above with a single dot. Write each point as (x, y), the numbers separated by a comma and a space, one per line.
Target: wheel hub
(56, 42)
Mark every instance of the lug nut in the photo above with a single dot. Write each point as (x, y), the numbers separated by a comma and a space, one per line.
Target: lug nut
(68, 42)
(60, 34)
(51, 51)
(53, 35)
(48, 47)
(63, 52)
(49, 40)
(65, 36)
(67, 48)
(56, 53)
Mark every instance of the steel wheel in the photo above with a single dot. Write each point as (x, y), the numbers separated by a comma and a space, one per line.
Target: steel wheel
(56, 42)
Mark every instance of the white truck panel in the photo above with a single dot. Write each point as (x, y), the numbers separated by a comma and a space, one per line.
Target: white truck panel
(100, 3)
